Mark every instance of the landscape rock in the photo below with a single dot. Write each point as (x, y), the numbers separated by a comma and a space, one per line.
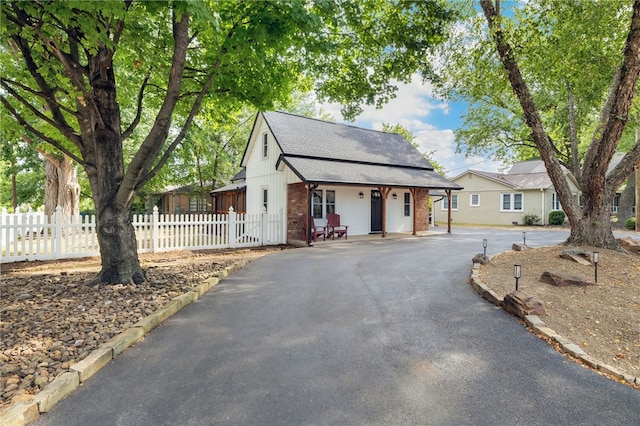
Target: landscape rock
(629, 244)
(561, 279)
(581, 256)
(480, 258)
(522, 304)
(519, 247)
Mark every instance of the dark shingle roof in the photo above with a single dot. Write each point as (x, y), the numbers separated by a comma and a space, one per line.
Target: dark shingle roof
(309, 137)
(326, 152)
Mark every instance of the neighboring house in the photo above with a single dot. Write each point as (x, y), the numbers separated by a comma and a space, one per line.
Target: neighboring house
(232, 195)
(376, 181)
(183, 200)
(503, 199)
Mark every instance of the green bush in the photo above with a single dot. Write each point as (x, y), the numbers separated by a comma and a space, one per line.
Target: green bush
(530, 219)
(630, 224)
(556, 217)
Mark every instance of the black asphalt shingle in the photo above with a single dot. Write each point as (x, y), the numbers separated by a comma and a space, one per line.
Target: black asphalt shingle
(325, 152)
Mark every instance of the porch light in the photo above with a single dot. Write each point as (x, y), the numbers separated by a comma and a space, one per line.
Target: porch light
(517, 273)
(484, 245)
(395, 196)
(524, 238)
(596, 258)
(361, 194)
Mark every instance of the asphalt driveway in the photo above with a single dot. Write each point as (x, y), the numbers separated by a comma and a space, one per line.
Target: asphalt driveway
(353, 333)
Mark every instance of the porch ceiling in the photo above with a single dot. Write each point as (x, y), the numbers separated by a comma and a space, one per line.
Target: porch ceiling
(350, 173)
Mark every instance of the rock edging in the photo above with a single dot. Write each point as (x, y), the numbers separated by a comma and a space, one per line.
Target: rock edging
(539, 327)
(27, 411)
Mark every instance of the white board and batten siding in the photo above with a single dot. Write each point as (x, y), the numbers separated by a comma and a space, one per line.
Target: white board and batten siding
(262, 174)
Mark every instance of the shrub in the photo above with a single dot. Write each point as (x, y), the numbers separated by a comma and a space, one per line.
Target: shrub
(556, 217)
(530, 219)
(630, 223)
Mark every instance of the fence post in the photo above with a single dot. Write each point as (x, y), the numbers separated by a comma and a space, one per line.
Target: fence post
(58, 232)
(154, 229)
(231, 228)
(264, 227)
(283, 227)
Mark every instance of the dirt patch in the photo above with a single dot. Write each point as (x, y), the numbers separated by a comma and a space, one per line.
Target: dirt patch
(50, 318)
(604, 319)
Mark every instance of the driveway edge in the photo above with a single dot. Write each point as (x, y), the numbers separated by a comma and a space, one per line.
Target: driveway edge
(23, 412)
(563, 345)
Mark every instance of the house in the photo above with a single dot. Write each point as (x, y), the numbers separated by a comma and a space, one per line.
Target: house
(232, 195)
(503, 199)
(376, 181)
(188, 199)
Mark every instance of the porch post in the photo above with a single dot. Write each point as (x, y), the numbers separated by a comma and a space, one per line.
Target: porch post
(414, 194)
(309, 211)
(385, 193)
(448, 193)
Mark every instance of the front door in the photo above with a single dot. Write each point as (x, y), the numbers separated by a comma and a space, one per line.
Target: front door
(376, 211)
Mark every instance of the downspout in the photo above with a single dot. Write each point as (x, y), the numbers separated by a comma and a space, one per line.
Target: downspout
(542, 192)
(448, 192)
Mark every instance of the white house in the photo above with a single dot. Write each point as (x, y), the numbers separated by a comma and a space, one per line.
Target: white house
(504, 198)
(376, 181)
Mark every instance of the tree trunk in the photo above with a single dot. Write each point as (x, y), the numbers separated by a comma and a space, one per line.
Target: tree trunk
(627, 199)
(590, 224)
(594, 229)
(102, 142)
(61, 185)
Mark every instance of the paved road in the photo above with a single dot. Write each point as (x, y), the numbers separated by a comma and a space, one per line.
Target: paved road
(367, 333)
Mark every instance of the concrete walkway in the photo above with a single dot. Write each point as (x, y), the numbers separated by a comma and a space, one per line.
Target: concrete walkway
(383, 332)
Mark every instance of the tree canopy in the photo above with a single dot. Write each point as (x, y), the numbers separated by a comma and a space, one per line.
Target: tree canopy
(117, 86)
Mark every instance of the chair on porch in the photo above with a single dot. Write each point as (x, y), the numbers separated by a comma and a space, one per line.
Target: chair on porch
(334, 227)
(317, 230)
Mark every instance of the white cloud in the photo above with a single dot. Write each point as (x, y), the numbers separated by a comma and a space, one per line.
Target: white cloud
(412, 108)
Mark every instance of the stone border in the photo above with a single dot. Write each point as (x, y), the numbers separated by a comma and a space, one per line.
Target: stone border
(24, 412)
(539, 327)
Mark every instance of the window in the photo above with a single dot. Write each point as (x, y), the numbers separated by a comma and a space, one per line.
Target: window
(511, 202)
(615, 204)
(454, 203)
(265, 146)
(265, 198)
(316, 203)
(474, 200)
(331, 201)
(555, 202)
(197, 204)
(320, 205)
(407, 204)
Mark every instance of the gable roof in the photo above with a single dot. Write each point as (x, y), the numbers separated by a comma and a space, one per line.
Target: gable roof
(530, 174)
(320, 151)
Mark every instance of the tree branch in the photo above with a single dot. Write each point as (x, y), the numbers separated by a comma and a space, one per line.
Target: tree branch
(36, 132)
(136, 119)
(531, 113)
(615, 114)
(183, 132)
(151, 146)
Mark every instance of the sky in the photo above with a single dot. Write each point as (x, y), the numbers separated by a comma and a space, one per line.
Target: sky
(431, 120)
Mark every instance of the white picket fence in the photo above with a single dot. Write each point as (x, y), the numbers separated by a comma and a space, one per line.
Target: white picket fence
(32, 236)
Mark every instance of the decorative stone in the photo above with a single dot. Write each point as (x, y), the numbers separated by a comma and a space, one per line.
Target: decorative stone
(480, 258)
(583, 257)
(522, 304)
(519, 247)
(561, 279)
(630, 244)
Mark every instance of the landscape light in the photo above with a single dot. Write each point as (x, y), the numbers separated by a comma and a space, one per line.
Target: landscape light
(524, 238)
(484, 245)
(517, 273)
(596, 258)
